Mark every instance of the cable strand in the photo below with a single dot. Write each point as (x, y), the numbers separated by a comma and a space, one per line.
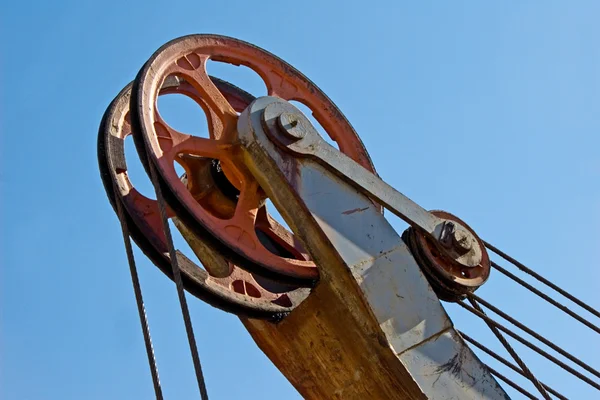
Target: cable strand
(536, 335)
(546, 297)
(545, 281)
(139, 300)
(527, 372)
(179, 283)
(510, 365)
(531, 346)
(512, 384)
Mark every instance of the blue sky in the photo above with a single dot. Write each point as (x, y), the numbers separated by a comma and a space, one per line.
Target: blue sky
(491, 112)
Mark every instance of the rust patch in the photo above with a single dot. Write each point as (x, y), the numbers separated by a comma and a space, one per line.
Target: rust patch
(355, 210)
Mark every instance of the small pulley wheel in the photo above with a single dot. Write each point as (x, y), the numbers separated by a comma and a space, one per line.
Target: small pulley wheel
(234, 234)
(443, 262)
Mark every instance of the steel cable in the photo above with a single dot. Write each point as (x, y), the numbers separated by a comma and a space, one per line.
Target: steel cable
(546, 297)
(536, 335)
(504, 361)
(513, 354)
(541, 279)
(139, 299)
(531, 346)
(511, 383)
(178, 282)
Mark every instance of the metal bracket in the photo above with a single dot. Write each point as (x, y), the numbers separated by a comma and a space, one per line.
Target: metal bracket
(292, 131)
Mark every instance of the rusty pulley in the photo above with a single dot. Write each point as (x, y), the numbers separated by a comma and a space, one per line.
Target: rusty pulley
(451, 279)
(226, 231)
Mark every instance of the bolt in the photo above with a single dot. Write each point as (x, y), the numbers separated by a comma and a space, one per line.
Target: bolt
(456, 238)
(446, 234)
(461, 241)
(290, 124)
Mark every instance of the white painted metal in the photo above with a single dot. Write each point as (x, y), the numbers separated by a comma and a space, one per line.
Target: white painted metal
(409, 313)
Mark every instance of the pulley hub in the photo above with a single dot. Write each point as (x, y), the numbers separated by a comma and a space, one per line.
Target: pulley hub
(455, 265)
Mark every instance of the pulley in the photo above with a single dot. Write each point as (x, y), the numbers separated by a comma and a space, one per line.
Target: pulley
(222, 284)
(439, 260)
(235, 236)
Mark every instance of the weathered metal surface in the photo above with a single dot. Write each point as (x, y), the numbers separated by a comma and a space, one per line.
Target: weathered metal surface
(446, 368)
(311, 144)
(406, 308)
(301, 138)
(455, 258)
(233, 237)
(330, 346)
(367, 273)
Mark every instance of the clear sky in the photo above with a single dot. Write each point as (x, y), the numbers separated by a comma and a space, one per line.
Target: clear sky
(491, 112)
